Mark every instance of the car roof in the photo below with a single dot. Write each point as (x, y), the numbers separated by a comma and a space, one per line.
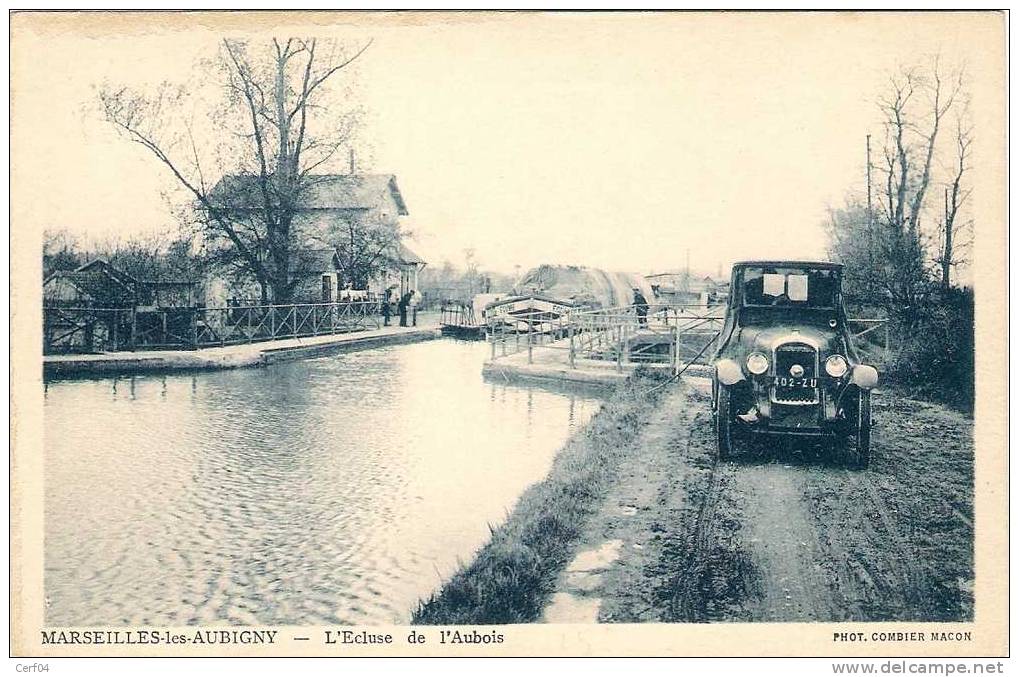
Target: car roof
(789, 264)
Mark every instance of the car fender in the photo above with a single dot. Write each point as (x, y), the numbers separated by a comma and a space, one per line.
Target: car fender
(728, 372)
(864, 376)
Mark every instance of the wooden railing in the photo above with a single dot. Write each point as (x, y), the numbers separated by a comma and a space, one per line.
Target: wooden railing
(80, 329)
(670, 334)
(680, 335)
(457, 314)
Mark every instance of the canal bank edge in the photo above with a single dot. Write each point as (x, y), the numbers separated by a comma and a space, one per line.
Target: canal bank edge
(228, 357)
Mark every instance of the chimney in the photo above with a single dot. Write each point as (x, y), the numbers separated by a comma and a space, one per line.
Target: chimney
(352, 161)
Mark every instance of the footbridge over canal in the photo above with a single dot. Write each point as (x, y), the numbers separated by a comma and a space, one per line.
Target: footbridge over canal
(605, 345)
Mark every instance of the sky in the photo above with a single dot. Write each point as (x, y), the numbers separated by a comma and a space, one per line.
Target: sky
(625, 141)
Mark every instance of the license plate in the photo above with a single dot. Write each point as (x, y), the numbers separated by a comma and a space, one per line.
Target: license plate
(790, 382)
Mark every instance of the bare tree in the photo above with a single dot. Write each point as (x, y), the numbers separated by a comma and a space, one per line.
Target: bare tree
(470, 270)
(60, 251)
(893, 243)
(956, 196)
(848, 231)
(152, 257)
(275, 132)
(913, 108)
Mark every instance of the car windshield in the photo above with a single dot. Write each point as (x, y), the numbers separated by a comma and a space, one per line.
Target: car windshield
(796, 287)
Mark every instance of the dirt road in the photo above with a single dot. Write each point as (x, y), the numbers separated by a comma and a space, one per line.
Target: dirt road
(784, 532)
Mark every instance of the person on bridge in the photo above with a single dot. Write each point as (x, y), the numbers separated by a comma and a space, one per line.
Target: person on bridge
(640, 306)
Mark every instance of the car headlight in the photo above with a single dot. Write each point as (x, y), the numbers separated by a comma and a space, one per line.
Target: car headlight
(836, 366)
(757, 364)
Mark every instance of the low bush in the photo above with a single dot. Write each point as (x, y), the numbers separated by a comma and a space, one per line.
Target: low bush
(935, 358)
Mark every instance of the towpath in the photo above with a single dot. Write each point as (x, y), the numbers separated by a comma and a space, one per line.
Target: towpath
(785, 532)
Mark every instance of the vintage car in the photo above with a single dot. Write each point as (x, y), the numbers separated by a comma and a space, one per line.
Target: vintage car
(785, 362)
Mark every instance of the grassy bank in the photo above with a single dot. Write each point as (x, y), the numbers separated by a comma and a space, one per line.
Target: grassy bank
(512, 576)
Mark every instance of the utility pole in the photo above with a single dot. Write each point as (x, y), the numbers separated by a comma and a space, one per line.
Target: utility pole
(688, 269)
(870, 229)
(946, 246)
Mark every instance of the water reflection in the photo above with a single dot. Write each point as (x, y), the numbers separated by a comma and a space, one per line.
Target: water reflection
(338, 490)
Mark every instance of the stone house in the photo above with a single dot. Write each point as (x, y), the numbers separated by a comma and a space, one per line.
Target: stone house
(328, 206)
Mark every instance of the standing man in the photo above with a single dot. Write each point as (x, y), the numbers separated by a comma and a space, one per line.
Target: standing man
(415, 300)
(402, 307)
(640, 305)
(386, 310)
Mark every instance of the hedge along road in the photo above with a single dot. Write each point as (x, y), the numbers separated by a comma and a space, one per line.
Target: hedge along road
(784, 532)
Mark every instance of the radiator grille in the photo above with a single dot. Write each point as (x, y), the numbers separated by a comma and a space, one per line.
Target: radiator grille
(795, 353)
(786, 357)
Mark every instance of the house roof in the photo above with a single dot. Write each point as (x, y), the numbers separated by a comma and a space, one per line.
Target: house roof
(104, 266)
(790, 263)
(684, 275)
(324, 191)
(316, 260)
(97, 285)
(407, 256)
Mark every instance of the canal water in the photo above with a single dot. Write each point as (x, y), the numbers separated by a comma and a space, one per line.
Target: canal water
(336, 490)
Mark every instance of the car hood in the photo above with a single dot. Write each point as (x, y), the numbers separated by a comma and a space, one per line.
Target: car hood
(766, 339)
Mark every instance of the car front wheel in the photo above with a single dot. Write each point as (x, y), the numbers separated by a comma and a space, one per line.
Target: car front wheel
(859, 447)
(723, 422)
